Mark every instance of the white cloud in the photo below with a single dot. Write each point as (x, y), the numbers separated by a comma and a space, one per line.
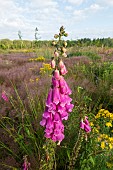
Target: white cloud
(76, 2)
(68, 8)
(86, 12)
(79, 15)
(37, 4)
(95, 7)
(105, 2)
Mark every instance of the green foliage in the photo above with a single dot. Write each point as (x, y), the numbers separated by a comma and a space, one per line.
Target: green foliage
(91, 55)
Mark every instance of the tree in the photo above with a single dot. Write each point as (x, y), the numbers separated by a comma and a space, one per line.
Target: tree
(19, 35)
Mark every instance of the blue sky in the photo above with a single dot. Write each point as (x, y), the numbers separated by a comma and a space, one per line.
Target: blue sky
(81, 18)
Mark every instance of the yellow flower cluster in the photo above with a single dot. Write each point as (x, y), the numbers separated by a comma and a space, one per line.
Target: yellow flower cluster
(106, 142)
(46, 69)
(34, 80)
(104, 113)
(38, 59)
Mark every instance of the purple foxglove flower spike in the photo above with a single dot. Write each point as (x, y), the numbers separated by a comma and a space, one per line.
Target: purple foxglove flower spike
(58, 103)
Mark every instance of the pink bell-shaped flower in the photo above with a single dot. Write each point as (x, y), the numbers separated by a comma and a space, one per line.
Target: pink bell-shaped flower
(49, 98)
(56, 95)
(63, 70)
(43, 122)
(87, 128)
(56, 74)
(82, 124)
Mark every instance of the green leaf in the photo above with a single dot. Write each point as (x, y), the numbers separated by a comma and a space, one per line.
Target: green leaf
(92, 160)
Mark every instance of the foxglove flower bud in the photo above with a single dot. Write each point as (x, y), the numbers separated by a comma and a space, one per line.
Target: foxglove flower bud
(56, 74)
(56, 36)
(63, 49)
(65, 44)
(61, 64)
(63, 70)
(65, 34)
(53, 43)
(64, 55)
(53, 63)
(56, 54)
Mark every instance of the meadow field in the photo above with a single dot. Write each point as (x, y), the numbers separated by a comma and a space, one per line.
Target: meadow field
(25, 79)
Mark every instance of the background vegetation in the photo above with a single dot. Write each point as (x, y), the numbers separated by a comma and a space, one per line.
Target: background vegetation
(25, 77)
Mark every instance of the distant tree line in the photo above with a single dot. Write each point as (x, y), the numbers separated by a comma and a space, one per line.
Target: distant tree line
(27, 44)
(99, 42)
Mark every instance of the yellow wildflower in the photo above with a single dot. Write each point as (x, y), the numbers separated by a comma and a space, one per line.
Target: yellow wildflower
(91, 124)
(102, 144)
(111, 116)
(97, 116)
(108, 124)
(110, 146)
(111, 139)
(104, 136)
